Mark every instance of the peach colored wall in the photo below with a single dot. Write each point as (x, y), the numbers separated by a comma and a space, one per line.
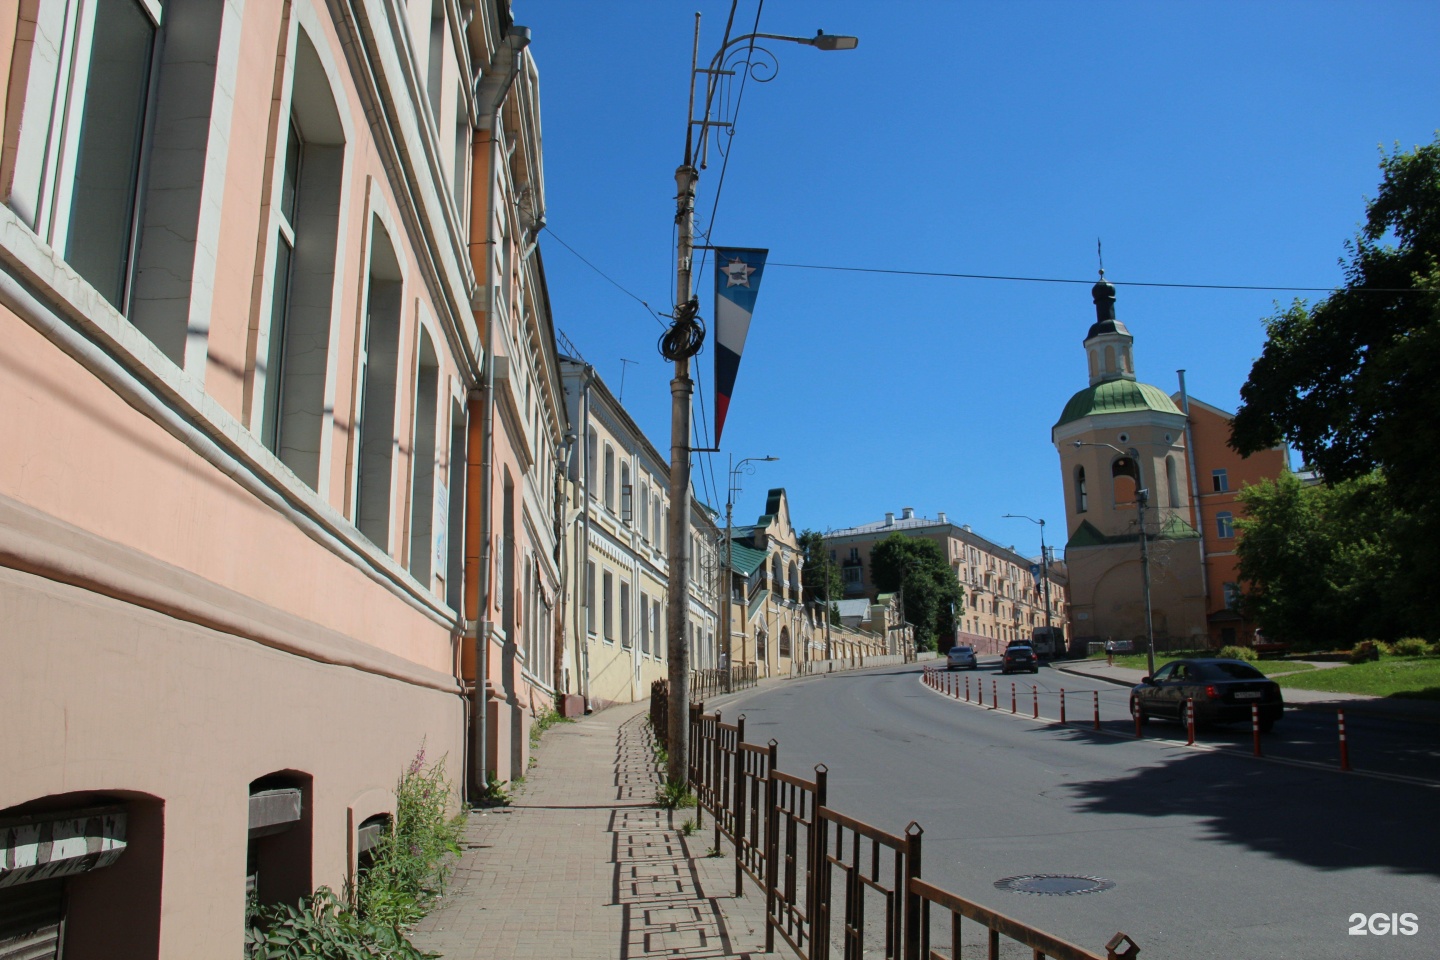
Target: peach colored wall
(1211, 435)
(139, 701)
(95, 462)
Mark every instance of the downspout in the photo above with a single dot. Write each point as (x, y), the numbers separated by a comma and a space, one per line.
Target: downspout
(1195, 493)
(582, 575)
(517, 39)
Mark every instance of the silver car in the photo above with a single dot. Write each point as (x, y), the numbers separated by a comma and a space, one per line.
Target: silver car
(960, 656)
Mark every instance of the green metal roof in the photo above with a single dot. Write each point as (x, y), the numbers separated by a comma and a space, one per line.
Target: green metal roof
(745, 559)
(1088, 535)
(1117, 396)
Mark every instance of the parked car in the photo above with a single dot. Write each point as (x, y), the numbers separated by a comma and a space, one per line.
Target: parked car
(1019, 657)
(1223, 691)
(961, 656)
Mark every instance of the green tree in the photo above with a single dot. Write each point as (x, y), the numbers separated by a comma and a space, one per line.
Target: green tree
(1354, 381)
(821, 575)
(917, 568)
(1320, 565)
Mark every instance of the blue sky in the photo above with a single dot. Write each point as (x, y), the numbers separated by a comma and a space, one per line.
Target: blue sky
(1204, 143)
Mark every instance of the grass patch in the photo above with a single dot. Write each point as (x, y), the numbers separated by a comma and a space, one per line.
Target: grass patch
(1405, 677)
(545, 721)
(1136, 661)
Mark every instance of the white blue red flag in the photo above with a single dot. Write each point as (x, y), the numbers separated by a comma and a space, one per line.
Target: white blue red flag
(737, 281)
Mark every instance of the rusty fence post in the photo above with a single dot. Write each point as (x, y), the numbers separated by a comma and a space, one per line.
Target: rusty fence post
(738, 821)
(1344, 745)
(911, 937)
(772, 843)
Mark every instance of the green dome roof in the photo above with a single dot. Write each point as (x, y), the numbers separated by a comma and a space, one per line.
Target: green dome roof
(1117, 396)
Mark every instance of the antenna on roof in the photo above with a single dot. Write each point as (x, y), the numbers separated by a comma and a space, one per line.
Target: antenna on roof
(1100, 255)
(623, 368)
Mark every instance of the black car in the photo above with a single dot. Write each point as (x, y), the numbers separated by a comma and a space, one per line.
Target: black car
(1223, 691)
(1019, 658)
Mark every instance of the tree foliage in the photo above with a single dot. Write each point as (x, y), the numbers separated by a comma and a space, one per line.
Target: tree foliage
(821, 575)
(1354, 381)
(1320, 563)
(930, 590)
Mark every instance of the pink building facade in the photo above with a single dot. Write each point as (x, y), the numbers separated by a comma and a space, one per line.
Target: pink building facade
(280, 420)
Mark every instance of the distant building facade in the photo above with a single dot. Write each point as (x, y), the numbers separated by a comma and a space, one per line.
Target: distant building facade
(1118, 437)
(1004, 600)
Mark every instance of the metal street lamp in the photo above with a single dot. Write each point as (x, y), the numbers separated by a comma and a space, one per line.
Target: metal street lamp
(1142, 498)
(1044, 565)
(681, 342)
(728, 581)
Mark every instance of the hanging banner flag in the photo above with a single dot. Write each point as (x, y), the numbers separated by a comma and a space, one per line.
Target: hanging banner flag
(737, 281)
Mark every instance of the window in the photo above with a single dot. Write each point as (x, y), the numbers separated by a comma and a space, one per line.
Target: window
(644, 510)
(1232, 596)
(292, 353)
(626, 493)
(375, 393)
(655, 629)
(422, 482)
(1221, 481)
(609, 477)
(1125, 481)
(590, 597)
(784, 641)
(627, 640)
(644, 623)
(607, 608)
(1225, 525)
(760, 652)
(1172, 481)
(592, 448)
(1082, 499)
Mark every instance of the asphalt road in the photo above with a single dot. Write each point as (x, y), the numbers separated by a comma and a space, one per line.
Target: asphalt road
(1213, 853)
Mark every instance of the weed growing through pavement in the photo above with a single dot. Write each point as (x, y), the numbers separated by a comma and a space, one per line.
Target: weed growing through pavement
(675, 795)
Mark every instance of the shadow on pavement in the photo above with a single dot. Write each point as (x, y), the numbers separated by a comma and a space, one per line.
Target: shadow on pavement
(1327, 822)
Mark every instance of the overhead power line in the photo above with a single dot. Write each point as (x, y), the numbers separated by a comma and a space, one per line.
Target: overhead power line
(1118, 283)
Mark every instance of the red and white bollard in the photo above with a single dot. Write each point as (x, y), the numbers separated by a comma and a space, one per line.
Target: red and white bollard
(1255, 725)
(1138, 732)
(1036, 692)
(1190, 721)
(967, 689)
(1062, 704)
(1097, 709)
(1344, 746)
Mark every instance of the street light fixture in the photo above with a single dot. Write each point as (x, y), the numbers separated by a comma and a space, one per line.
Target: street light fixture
(1142, 498)
(1044, 568)
(727, 580)
(681, 342)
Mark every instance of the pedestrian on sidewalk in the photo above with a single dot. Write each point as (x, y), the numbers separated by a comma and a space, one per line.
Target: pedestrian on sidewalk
(1110, 652)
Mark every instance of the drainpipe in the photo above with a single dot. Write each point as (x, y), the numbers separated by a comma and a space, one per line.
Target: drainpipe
(516, 40)
(1195, 494)
(582, 575)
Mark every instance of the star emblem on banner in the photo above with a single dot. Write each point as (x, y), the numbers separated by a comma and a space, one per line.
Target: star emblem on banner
(737, 273)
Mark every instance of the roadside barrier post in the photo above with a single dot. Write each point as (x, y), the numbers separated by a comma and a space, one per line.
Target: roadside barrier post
(1035, 691)
(967, 689)
(1138, 732)
(1012, 696)
(994, 694)
(1344, 746)
(1097, 708)
(1062, 705)
(1190, 721)
(1255, 725)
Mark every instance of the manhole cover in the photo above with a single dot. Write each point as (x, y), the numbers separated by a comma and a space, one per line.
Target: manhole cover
(1054, 884)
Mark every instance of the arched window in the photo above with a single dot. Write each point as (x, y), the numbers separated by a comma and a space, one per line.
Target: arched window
(1082, 498)
(784, 641)
(423, 467)
(592, 455)
(1125, 480)
(376, 391)
(1109, 359)
(777, 580)
(1172, 481)
(1094, 364)
(760, 653)
(794, 581)
(643, 511)
(609, 477)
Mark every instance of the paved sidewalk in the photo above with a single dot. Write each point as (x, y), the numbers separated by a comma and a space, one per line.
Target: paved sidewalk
(1389, 707)
(583, 866)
